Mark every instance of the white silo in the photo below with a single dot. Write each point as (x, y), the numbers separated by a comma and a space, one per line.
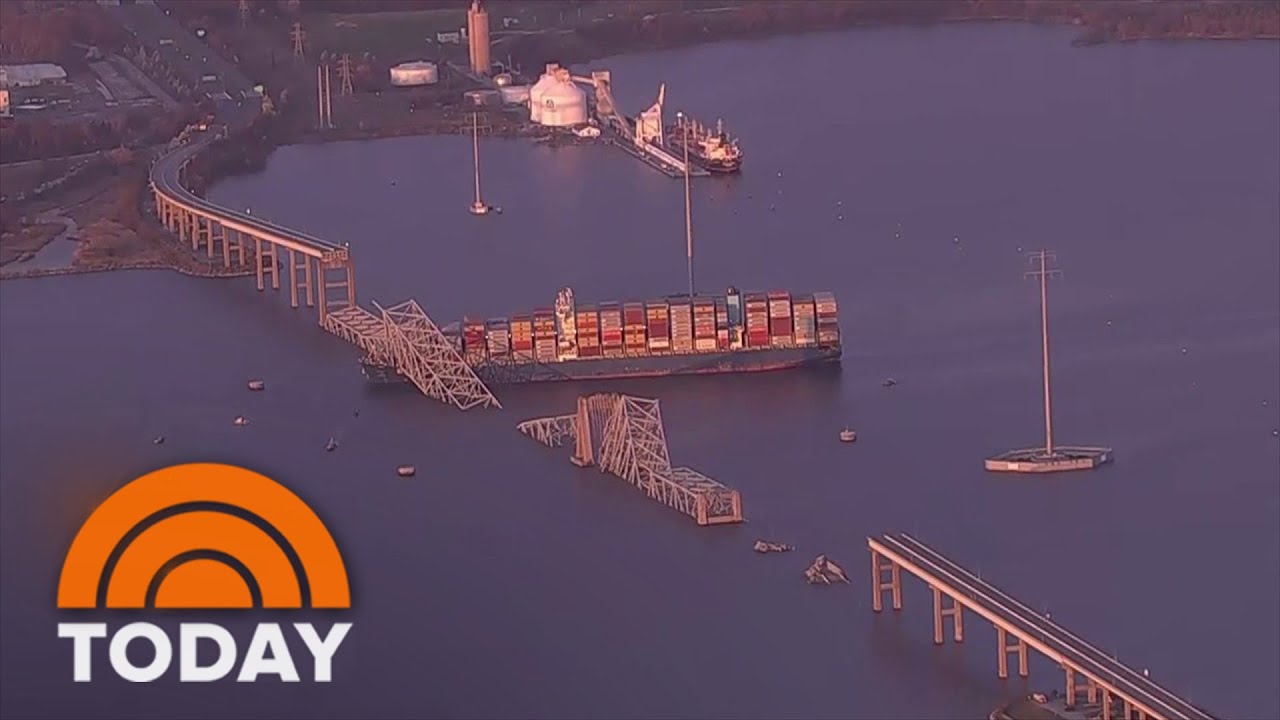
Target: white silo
(535, 93)
(563, 104)
(414, 73)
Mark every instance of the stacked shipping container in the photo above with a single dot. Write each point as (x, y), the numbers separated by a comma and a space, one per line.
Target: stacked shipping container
(757, 316)
(658, 322)
(498, 338)
(633, 328)
(780, 326)
(473, 340)
(544, 335)
(704, 325)
(588, 332)
(676, 326)
(804, 322)
(611, 329)
(828, 322)
(681, 326)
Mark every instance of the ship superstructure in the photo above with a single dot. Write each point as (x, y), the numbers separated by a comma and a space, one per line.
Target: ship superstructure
(712, 150)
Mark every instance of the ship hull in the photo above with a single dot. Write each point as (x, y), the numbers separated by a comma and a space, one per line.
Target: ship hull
(648, 366)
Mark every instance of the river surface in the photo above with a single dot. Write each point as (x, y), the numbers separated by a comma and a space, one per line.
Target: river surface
(908, 171)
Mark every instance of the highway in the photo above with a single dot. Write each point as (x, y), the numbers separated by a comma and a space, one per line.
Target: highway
(1047, 636)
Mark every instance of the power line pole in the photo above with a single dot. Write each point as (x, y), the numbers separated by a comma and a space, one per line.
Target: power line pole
(1040, 260)
(299, 41)
(344, 72)
(688, 201)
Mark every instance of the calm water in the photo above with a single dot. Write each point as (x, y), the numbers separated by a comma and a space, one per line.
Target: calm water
(503, 582)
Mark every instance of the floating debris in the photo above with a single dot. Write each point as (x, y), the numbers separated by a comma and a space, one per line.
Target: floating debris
(824, 572)
(257, 385)
(406, 471)
(1184, 351)
(240, 421)
(158, 441)
(331, 446)
(356, 413)
(889, 382)
(848, 436)
(768, 546)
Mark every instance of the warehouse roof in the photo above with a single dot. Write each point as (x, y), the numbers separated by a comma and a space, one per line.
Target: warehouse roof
(31, 74)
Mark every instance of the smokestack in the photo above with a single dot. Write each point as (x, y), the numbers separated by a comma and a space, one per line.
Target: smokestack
(478, 38)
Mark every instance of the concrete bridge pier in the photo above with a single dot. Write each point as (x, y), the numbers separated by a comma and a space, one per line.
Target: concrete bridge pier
(879, 584)
(940, 612)
(1002, 642)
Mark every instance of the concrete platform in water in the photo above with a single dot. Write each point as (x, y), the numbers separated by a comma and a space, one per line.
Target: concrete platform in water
(1036, 460)
(1038, 706)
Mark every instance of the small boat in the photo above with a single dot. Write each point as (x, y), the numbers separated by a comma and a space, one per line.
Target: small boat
(331, 445)
(406, 471)
(240, 421)
(257, 385)
(889, 382)
(158, 441)
(847, 435)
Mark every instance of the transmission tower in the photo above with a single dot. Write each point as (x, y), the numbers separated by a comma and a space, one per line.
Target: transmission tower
(344, 72)
(299, 40)
(244, 13)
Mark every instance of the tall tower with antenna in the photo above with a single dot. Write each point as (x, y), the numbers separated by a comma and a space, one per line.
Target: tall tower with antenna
(1050, 457)
(344, 72)
(299, 41)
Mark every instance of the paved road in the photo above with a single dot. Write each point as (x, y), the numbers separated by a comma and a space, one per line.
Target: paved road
(1032, 624)
(192, 59)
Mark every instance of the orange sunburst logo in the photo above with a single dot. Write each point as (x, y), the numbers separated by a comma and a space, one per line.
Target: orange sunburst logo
(203, 535)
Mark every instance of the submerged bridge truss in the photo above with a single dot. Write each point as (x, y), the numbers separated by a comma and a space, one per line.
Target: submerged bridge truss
(623, 435)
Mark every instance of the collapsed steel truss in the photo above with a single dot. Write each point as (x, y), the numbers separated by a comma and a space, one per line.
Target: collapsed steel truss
(405, 338)
(624, 436)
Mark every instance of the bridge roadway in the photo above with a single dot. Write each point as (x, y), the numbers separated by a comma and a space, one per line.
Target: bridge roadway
(1102, 673)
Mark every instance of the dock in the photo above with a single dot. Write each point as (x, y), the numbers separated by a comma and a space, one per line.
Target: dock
(1101, 678)
(624, 436)
(654, 157)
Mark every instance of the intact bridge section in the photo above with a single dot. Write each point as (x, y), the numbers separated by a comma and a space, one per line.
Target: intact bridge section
(401, 336)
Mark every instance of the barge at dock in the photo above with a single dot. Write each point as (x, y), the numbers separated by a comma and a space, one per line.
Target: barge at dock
(677, 335)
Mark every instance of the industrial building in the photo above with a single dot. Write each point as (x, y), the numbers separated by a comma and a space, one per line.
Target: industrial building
(31, 75)
(556, 101)
(478, 38)
(415, 73)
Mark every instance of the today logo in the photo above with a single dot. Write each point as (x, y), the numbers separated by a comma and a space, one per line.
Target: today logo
(203, 536)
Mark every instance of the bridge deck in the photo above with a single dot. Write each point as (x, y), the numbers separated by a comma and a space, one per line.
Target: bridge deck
(1050, 638)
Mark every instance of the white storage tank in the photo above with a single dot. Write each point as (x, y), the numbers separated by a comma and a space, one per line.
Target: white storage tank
(535, 93)
(514, 94)
(563, 104)
(412, 74)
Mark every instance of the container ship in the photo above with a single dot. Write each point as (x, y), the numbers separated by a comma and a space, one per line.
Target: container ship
(676, 335)
(713, 151)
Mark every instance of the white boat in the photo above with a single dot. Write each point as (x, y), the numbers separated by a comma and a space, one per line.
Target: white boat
(847, 435)
(257, 385)
(240, 421)
(406, 471)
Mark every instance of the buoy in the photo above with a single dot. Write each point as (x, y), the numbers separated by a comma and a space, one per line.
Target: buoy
(257, 385)
(356, 413)
(159, 440)
(1184, 351)
(840, 217)
(406, 470)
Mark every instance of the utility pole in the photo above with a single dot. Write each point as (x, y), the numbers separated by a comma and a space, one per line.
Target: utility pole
(344, 72)
(688, 202)
(299, 41)
(1040, 260)
(323, 100)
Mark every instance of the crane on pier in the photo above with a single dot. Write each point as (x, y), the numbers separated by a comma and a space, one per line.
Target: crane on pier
(624, 436)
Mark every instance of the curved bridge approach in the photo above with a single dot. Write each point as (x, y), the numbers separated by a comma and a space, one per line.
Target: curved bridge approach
(323, 271)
